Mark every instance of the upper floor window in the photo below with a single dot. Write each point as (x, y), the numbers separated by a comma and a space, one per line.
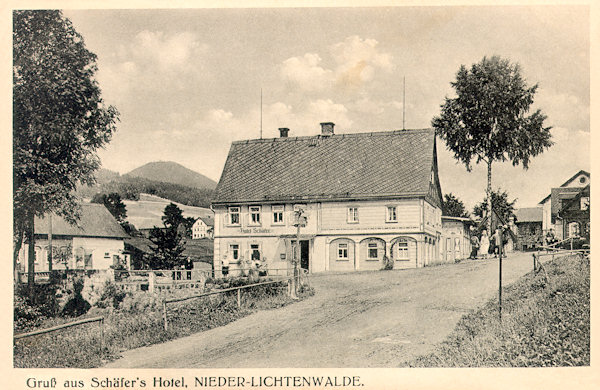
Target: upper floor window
(352, 214)
(234, 215)
(391, 215)
(254, 215)
(342, 251)
(278, 215)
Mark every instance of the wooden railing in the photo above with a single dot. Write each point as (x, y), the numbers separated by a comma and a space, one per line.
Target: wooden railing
(238, 289)
(63, 326)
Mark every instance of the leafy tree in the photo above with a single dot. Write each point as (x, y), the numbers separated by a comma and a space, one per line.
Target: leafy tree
(504, 207)
(489, 119)
(59, 120)
(169, 242)
(114, 204)
(173, 216)
(454, 207)
(168, 248)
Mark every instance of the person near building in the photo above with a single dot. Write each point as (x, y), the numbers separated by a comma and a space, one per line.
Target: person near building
(474, 247)
(484, 244)
(225, 266)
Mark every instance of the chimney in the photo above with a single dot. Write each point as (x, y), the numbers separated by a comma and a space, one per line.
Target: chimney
(283, 132)
(327, 128)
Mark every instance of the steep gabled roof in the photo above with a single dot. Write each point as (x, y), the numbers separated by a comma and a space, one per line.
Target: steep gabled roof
(208, 221)
(95, 221)
(529, 214)
(342, 166)
(566, 183)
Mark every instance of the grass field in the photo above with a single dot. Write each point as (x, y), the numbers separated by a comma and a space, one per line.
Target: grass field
(139, 325)
(545, 323)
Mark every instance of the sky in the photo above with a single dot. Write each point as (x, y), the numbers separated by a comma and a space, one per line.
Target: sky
(187, 82)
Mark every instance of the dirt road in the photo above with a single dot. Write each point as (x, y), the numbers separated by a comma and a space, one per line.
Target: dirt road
(366, 319)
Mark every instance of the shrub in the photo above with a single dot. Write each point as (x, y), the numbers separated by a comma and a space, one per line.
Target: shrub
(76, 306)
(111, 295)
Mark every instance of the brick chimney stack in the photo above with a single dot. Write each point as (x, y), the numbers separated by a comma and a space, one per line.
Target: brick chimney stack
(327, 128)
(283, 132)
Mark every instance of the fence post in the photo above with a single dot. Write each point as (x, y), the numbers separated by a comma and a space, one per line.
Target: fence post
(571, 243)
(239, 298)
(533, 262)
(102, 332)
(151, 281)
(165, 314)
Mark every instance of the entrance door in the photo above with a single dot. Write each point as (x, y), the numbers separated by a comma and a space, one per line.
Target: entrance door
(304, 254)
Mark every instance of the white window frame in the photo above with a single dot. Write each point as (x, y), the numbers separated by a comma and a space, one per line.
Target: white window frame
(402, 250)
(231, 211)
(584, 203)
(370, 247)
(258, 247)
(254, 215)
(278, 212)
(342, 254)
(232, 251)
(391, 211)
(352, 214)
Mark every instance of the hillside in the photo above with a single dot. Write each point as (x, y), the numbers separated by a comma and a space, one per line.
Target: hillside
(147, 212)
(171, 172)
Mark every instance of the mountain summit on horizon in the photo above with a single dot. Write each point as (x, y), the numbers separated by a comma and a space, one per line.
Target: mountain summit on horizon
(172, 172)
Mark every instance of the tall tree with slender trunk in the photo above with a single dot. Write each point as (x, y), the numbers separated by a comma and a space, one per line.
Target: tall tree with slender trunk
(489, 119)
(59, 120)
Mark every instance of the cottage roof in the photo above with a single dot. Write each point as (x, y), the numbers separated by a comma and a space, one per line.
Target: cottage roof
(529, 214)
(95, 221)
(341, 166)
(208, 221)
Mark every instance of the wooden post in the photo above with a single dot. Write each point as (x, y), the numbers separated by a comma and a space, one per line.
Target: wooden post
(151, 281)
(571, 243)
(500, 276)
(533, 262)
(102, 333)
(165, 314)
(239, 298)
(50, 242)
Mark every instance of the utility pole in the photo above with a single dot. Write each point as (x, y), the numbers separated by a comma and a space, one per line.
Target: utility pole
(403, 102)
(50, 242)
(261, 113)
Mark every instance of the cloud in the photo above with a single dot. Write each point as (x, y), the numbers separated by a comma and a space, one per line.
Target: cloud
(357, 60)
(306, 73)
(153, 62)
(355, 63)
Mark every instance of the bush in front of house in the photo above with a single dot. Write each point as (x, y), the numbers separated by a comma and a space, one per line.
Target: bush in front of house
(76, 306)
(32, 308)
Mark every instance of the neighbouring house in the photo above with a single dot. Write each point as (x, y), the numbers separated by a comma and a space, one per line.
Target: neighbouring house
(203, 228)
(363, 197)
(95, 242)
(552, 203)
(456, 239)
(574, 215)
(528, 227)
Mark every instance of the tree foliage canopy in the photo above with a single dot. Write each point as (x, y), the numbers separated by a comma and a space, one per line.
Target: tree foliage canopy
(489, 118)
(59, 116)
(454, 207)
(114, 204)
(168, 242)
(504, 208)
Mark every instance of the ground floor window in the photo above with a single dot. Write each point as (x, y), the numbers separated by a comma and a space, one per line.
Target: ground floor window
(234, 250)
(342, 251)
(372, 252)
(255, 251)
(402, 250)
(573, 229)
